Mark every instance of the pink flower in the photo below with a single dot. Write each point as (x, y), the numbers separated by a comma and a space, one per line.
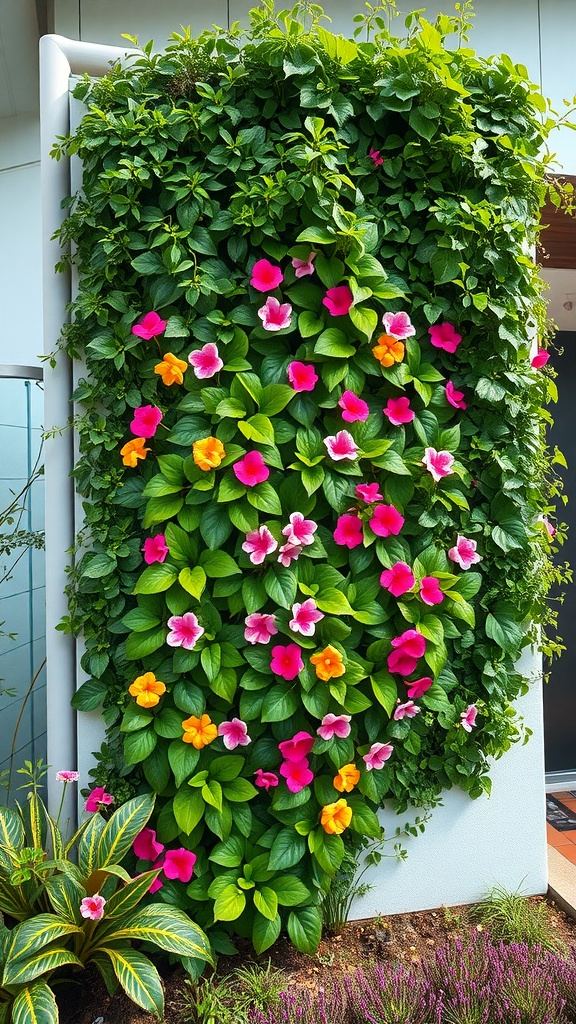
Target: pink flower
(540, 359)
(258, 544)
(439, 464)
(179, 864)
(334, 725)
(338, 300)
(408, 648)
(251, 470)
(348, 532)
(149, 326)
(235, 733)
(67, 776)
(92, 907)
(297, 774)
(386, 521)
(464, 552)
(469, 717)
(265, 276)
(398, 325)
(430, 591)
(156, 884)
(398, 411)
(377, 755)
(259, 628)
(287, 661)
(550, 530)
(454, 397)
(146, 846)
(185, 631)
(302, 376)
(155, 549)
(98, 798)
(353, 408)
(368, 493)
(206, 361)
(304, 617)
(341, 446)
(146, 420)
(419, 686)
(265, 779)
(300, 530)
(302, 268)
(407, 710)
(398, 580)
(298, 747)
(275, 317)
(445, 336)
(375, 157)
(289, 553)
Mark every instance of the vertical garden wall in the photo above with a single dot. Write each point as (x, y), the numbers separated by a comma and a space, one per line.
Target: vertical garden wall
(311, 448)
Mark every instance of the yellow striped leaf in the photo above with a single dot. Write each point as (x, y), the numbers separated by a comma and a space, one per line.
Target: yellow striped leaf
(12, 901)
(11, 835)
(20, 971)
(88, 847)
(129, 897)
(138, 977)
(35, 1004)
(65, 895)
(121, 831)
(166, 927)
(36, 933)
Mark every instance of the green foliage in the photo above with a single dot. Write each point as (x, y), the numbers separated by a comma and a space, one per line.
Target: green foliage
(513, 918)
(413, 173)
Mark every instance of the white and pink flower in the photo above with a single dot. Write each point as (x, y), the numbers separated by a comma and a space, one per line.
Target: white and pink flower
(464, 552)
(92, 907)
(185, 631)
(353, 408)
(407, 710)
(468, 717)
(289, 553)
(300, 530)
(259, 628)
(398, 325)
(302, 268)
(275, 316)
(234, 733)
(438, 464)
(334, 725)
(206, 361)
(377, 756)
(258, 544)
(304, 617)
(341, 446)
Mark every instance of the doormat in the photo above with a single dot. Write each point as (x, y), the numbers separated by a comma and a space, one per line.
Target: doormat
(559, 816)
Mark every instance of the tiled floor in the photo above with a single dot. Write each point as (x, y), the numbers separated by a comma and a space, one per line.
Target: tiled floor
(564, 842)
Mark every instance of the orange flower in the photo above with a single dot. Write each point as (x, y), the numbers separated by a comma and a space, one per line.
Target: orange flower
(199, 731)
(134, 450)
(328, 663)
(388, 350)
(334, 818)
(171, 369)
(208, 453)
(347, 778)
(147, 690)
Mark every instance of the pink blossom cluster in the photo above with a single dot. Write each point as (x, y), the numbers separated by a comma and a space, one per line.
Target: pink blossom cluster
(175, 864)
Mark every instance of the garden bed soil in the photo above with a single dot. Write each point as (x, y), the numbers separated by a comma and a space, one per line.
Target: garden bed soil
(401, 938)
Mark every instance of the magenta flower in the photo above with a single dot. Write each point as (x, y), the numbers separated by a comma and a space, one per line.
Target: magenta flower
(206, 361)
(251, 470)
(98, 798)
(444, 336)
(287, 661)
(454, 397)
(407, 710)
(299, 530)
(298, 747)
(386, 521)
(439, 464)
(398, 411)
(258, 544)
(259, 628)
(464, 552)
(334, 725)
(419, 686)
(368, 493)
(265, 276)
(146, 420)
(399, 579)
(149, 326)
(430, 591)
(348, 532)
(375, 157)
(408, 648)
(179, 864)
(302, 268)
(297, 774)
(377, 755)
(234, 733)
(92, 907)
(304, 617)
(289, 553)
(353, 408)
(146, 846)
(302, 376)
(67, 776)
(275, 316)
(155, 549)
(264, 780)
(185, 631)
(540, 359)
(338, 300)
(398, 325)
(550, 530)
(157, 883)
(341, 446)
(469, 717)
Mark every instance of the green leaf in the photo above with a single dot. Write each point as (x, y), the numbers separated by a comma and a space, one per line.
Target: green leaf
(12, 836)
(183, 758)
(138, 977)
(212, 794)
(89, 845)
(139, 745)
(266, 902)
(188, 808)
(129, 896)
(265, 498)
(385, 690)
(289, 890)
(218, 564)
(281, 587)
(333, 342)
(141, 645)
(87, 698)
(156, 578)
(19, 972)
(274, 398)
(99, 566)
(287, 850)
(504, 631)
(65, 895)
(364, 319)
(333, 601)
(265, 932)
(445, 265)
(35, 1004)
(193, 581)
(280, 702)
(31, 936)
(305, 929)
(229, 904)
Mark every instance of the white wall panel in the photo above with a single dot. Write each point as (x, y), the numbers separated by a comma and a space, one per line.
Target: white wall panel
(558, 18)
(20, 259)
(104, 21)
